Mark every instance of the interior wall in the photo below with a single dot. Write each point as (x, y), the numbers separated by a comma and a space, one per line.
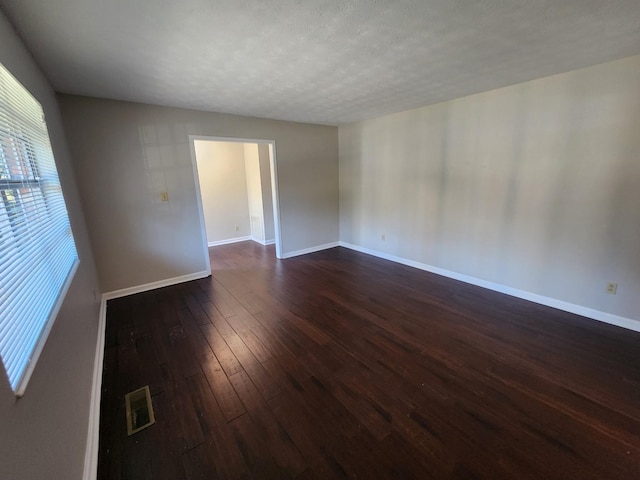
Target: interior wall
(44, 433)
(125, 154)
(223, 188)
(534, 186)
(267, 195)
(254, 191)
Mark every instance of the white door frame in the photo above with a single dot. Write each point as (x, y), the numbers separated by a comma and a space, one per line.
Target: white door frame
(274, 188)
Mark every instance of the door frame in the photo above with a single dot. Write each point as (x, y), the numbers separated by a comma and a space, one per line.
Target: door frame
(274, 187)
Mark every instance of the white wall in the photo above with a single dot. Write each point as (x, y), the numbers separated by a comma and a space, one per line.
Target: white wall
(43, 434)
(254, 191)
(534, 186)
(125, 154)
(223, 187)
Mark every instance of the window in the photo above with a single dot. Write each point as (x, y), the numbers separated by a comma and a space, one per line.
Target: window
(37, 252)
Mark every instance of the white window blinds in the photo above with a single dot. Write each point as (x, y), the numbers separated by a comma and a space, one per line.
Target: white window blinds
(37, 252)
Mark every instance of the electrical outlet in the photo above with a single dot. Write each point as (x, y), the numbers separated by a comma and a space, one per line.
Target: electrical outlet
(383, 237)
(612, 288)
(164, 196)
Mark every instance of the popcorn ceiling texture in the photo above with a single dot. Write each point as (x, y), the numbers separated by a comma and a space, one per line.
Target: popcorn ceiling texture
(323, 61)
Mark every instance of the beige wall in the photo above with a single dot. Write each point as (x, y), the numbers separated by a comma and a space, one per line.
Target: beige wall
(267, 195)
(257, 164)
(43, 434)
(223, 187)
(254, 191)
(534, 186)
(125, 154)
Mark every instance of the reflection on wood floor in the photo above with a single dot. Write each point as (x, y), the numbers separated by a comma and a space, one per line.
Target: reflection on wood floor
(341, 365)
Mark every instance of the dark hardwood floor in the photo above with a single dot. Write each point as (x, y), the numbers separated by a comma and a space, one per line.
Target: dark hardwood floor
(341, 365)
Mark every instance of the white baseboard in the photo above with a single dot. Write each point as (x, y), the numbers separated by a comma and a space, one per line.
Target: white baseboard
(229, 240)
(304, 251)
(153, 285)
(265, 243)
(93, 436)
(623, 322)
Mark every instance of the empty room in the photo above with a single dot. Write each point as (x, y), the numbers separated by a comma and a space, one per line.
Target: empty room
(318, 240)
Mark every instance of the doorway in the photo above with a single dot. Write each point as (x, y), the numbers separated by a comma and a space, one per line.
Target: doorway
(236, 189)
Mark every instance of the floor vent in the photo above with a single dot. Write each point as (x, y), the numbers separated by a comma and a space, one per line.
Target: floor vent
(139, 410)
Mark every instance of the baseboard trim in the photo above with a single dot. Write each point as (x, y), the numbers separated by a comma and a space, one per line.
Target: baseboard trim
(90, 471)
(605, 317)
(153, 285)
(305, 251)
(268, 242)
(230, 240)
(93, 435)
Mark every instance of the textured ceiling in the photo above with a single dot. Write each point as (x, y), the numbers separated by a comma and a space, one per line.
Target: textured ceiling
(319, 61)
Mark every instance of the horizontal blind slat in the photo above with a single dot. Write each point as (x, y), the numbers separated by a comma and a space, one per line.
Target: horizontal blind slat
(37, 249)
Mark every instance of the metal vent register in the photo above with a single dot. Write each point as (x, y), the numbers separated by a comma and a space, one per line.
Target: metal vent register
(139, 410)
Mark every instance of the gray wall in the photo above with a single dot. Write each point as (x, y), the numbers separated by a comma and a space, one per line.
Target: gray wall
(125, 154)
(43, 434)
(534, 186)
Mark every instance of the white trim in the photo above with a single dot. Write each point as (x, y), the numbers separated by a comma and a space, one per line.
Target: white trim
(305, 251)
(229, 240)
(265, 243)
(209, 138)
(35, 355)
(196, 179)
(93, 435)
(153, 285)
(90, 471)
(605, 317)
(275, 195)
(274, 186)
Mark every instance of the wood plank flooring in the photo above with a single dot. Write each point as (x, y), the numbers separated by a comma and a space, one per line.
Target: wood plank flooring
(341, 365)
